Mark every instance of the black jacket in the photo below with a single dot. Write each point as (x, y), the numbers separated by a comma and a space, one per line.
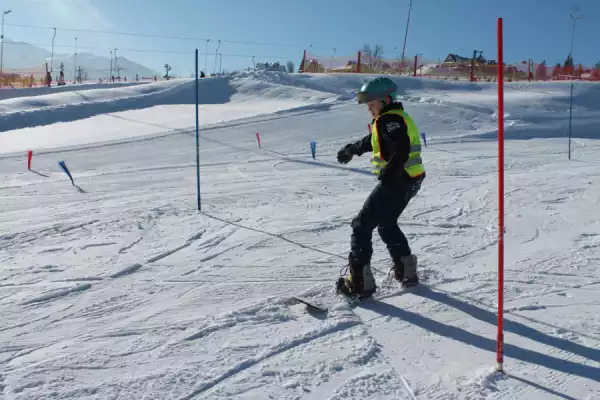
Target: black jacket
(394, 142)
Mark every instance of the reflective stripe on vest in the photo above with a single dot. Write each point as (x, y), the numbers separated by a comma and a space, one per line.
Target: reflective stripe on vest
(414, 165)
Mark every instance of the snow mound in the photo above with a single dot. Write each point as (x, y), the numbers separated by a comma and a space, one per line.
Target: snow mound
(538, 109)
(9, 93)
(73, 105)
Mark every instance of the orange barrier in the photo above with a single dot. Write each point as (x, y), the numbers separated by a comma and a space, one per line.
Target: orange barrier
(453, 67)
(12, 78)
(359, 63)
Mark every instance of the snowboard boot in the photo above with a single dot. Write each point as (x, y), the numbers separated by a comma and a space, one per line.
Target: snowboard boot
(360, 282)
(405, 270)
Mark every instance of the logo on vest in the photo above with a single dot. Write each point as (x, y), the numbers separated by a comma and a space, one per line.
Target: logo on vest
(392, 126)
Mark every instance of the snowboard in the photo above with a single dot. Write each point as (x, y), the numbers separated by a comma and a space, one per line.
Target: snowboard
(385, 289)
(311, 304)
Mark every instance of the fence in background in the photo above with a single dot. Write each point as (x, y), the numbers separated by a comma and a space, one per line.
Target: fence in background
(452, 68)
(35, 77)
(23, 78)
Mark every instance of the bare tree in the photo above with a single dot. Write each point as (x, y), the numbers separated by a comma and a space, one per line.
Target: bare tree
(290, 66)
(569, 61)
(372, 56)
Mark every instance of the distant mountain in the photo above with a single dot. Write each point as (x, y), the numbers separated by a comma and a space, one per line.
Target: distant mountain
(20, 57)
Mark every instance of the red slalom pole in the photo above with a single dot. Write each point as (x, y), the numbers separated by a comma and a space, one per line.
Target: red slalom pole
(29, 157)
(500, 339)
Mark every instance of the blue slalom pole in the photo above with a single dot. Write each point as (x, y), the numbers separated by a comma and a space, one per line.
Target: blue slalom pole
(570, 117)
(197, 137)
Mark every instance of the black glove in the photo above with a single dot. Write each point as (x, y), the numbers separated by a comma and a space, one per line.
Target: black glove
(345, 154)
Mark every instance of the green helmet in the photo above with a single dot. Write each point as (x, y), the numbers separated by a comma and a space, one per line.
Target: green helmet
(377, 89)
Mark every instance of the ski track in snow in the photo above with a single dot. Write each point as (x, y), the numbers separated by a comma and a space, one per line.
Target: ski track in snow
(120, 288)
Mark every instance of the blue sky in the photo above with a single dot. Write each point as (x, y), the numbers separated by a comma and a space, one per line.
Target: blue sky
(537, 29)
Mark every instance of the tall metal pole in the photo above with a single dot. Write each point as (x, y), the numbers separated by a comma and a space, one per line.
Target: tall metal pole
(220, 62)
(574, 18)
(216, 52)
(111, 68)
(330, 61)
(2, 44)
(405, 36)
(75, 63)
(206, 57)
(52, 57)
(117, 65)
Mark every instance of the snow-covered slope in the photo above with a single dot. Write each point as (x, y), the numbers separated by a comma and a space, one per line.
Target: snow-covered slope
(119, 288)
(533, 109)
(159, 107)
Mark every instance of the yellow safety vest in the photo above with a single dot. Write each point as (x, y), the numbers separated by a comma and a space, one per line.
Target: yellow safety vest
(414, 165)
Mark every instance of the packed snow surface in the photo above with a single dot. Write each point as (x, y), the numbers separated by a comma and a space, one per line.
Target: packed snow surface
(118, 288)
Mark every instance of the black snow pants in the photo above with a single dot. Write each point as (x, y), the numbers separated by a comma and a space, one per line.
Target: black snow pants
(381, 210)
